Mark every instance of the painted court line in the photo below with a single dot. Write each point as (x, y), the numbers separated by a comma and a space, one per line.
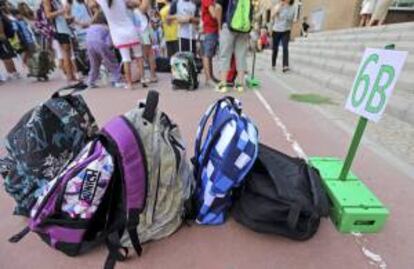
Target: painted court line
(295, 145)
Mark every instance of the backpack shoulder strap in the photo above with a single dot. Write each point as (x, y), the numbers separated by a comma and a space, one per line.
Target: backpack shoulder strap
(132, 164)
(203, 122)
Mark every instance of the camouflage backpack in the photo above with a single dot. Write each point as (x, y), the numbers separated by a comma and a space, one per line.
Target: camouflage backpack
(42, 143)
(170, 180)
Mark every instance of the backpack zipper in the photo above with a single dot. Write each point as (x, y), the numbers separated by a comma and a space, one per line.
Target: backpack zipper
(52, 190)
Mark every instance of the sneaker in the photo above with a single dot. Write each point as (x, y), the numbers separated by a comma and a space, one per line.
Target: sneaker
(118, 85)
(210, 84)
(15, 75)
(273, 68)
(239, 87)
(129, 87)
(92, 86)
(285, 69)
(222, 87)
(145, 81)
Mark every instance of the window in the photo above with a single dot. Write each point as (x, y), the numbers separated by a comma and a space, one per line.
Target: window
(403, 5)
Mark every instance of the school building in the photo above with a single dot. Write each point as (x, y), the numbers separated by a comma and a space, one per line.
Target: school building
(335, 14)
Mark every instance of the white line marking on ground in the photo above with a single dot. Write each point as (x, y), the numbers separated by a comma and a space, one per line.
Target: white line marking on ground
(295, 145)
(361, 241)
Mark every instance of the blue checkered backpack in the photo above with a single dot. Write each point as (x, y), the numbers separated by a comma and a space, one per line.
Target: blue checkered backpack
(222, 159)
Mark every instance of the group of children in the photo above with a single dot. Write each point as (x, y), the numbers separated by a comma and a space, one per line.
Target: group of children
(16, 36)
(128, 30)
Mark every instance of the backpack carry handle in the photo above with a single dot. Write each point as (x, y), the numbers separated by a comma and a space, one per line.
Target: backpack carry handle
(80, 86)
(151, 106)
(320, 201)
(234, 103)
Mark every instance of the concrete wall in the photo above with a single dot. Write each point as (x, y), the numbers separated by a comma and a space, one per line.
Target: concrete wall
(338, 14)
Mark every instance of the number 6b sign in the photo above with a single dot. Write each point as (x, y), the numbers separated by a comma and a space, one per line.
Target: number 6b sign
(374, 82)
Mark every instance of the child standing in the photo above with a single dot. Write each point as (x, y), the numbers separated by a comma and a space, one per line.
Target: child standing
(26, 36)
(139, 24)
(123, 32)
(145, 31)
(98, 44)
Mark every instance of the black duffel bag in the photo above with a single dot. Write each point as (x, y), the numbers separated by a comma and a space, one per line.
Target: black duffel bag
(163, 64)
(282, 195)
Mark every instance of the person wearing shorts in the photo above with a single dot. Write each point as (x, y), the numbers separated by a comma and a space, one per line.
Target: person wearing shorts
(123, 32)
(6, 55)
(185, 12)
(170, 29)
(380, 12)
(27, 37)
(146, 33)
(6, 50)
(210, 42)
(57, 50)
(57, 13)
(367, 7)
(231, 42)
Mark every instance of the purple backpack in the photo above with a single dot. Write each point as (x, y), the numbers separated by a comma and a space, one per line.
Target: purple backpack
(97, 198)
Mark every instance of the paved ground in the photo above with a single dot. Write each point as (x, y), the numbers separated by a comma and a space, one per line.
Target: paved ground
(319, 130)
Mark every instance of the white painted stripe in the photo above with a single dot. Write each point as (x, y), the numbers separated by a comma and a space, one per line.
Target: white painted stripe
(361, 241)
(295, 145)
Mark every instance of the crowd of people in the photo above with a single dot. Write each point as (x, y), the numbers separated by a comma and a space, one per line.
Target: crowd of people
(132, 34)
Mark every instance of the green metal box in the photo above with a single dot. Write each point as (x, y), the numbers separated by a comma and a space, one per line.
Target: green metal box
(354, 207)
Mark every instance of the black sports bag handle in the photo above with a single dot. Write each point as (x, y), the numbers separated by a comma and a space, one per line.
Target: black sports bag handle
(80, 86)
(320, 199)
(231, 100)
(151, 105)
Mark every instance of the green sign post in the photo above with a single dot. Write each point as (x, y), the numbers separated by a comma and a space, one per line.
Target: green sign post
(355, 208)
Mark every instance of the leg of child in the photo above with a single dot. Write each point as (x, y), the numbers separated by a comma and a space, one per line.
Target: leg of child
(9, 65)
(109, 61)
(240, 53)
(140, 68)
(26, 56)
(149, 55)
(139, 59)
(95, 63)
(68, 65)
(126, 61)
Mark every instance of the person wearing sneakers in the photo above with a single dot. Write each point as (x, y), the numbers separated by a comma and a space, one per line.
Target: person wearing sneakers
(58, 14)
(146, 40)
(283, 14)
(98, 44)
(185, 12)
(170, 29)
(123, 32)
(7, 52)
(230, 42)
(210, 42)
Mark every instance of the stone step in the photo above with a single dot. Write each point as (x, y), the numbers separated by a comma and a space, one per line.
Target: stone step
(348, 69)
(344, 55)
(397, 27)
(339, 45)
(401, 104)
(362, 37)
